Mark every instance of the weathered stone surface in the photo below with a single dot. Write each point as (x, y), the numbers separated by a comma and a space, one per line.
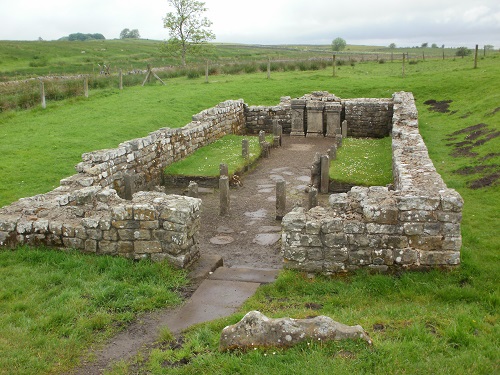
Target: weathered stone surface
(256, 330)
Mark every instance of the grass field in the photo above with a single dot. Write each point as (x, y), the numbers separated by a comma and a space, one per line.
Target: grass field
(421, 323)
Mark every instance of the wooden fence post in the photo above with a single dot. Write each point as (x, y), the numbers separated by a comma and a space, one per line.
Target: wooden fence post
(334, 64)
(403, 65)
(42, 94)
(121, 80)
(269, 68)
(475, 56)
(206, 72)
(86, 86)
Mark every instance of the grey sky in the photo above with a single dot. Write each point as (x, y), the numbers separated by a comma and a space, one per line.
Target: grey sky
(381, 22)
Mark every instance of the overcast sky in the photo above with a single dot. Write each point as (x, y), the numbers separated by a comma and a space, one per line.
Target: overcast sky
(379, 22)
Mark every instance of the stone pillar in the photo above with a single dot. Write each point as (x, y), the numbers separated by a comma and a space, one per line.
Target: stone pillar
(315, 118)
(245, 153)
(280, 199)
(325, 174)
(262, 136)
(332, 152)
(223, 170)
(332, 112)
(192, 189)
(312, 198)
(298, 124)
(224, 195)
(344, 129)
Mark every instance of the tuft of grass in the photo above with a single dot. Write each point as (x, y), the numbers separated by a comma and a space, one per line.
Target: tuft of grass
(206, 160)
(363, 162)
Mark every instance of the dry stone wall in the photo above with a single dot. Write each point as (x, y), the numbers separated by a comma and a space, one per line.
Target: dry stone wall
(416, 225)
(88, 211)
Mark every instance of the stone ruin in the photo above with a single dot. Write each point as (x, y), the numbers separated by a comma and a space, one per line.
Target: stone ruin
(112, 205)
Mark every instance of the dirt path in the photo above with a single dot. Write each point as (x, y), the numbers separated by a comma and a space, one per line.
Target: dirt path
(249, 235)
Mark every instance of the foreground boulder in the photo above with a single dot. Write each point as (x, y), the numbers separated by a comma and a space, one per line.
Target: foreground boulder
(257, 330)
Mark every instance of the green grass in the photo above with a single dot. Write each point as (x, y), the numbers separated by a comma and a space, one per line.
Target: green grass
(54, 305)
(206, 160)
(435, 322)
(363, 162)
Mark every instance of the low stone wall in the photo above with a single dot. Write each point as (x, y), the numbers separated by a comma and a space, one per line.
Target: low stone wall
(417, 225)
(264, 117)
(368, 117)
(88, 212)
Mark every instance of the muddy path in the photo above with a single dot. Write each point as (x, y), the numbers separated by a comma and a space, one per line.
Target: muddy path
(248, 237)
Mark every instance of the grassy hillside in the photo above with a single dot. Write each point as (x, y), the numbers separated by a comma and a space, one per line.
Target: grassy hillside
(21, 59)
(421, 323)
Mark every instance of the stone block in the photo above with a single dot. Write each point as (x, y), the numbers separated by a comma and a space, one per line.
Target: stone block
(373, 228)
(315, 254)
(413, 228)
(452, 243)
(427, 243)
(147, 247)
(417, 216)
(294, 221)
(107, 247)
(405, 257)
(331, 225)
(94, 234)
(313, 227)
(125, 224)
(394, 242)
(383, 256)
(418, 203)
(122, 213)
(41, 226)
(74, 243)
(125, 247)
(354, 227)
(24, 226)
(361, 257)
(336, 255)
(297, 254)
(334, 240)
(380, 214)
(90, 246)
(451, 201)
(7, 225)
(439, 258)
(145, 212)
(449, 217)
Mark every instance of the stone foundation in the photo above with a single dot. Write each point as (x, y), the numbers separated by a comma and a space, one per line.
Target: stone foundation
(415, 226)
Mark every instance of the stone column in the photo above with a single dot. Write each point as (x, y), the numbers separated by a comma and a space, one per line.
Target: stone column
(280, 199)
(332, 112)
(344, 129)
(325, 174)
(224, 195)
(298, 126)
(315, 118)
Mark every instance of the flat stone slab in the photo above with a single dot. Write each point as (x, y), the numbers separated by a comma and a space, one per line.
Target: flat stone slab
(266, 239)
(204, 190)
(224, 229)
(204, 265)
(252, 275)
(212, 300)
(259, 214)
(221, 240)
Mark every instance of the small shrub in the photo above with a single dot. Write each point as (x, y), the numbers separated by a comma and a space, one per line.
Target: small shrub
(413, 62)
(381, 61)
(251, 68)
(193, 74)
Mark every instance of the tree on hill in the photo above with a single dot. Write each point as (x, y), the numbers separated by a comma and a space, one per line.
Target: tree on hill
(130, 34)
(338, 44)
(392, 45)
(189, 31)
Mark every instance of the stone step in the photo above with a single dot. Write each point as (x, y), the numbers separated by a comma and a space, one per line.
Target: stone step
(253, 275)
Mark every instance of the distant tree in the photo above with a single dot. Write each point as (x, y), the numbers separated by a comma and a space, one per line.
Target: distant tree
(392, 45)
(82, 37)
(338, 44)
(127, 33)
(189, 31)
(124, 33)
(434, 45)
(134, 34)
(488, 47)
(424, 45)
(463, 51)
